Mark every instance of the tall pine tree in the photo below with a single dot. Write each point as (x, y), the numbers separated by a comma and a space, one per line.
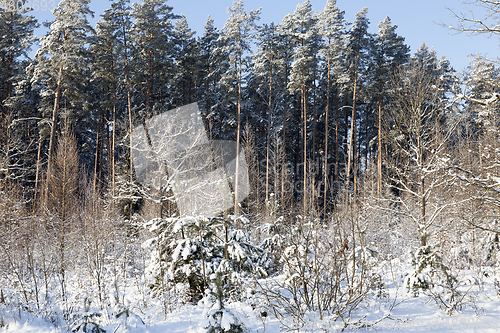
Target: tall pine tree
(301, 26)
(332, 29)
(237, 35)
(61, 71)
(357, 49)
(389, 52)
(16, 39)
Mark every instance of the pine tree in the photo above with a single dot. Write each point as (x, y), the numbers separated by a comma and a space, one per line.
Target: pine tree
(213, 62)
(16, 31)
(109, 72)
(17, 37)
(105, 63)
(236, 37)
(301, 26)
(389, 52)
(154, 67)
(152, 70)
(60, 69)
(268, 93)
(266, 69)
(331, 28)
(438, 68)
(115, 29)
(122, 12)
(482, 82)
(428, 58)
(187, 59)
(358, 45)
(285, 49)
(477, 145)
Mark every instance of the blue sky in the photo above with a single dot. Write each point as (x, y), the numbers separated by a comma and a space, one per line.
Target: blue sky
(418, 21)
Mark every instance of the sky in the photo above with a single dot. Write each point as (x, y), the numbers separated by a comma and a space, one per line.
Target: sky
(417, 21)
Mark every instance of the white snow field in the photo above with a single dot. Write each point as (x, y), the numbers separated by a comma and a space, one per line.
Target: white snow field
(396, 311)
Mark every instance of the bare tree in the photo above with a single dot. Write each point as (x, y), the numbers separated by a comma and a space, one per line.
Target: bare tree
(173, 158)
(326, 272)
(419, 131)
(98, 237)
(478, 160)
(468, 22)
(62, 190)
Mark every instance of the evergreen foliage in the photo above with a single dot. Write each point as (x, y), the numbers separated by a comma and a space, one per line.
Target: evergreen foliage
(352, 143)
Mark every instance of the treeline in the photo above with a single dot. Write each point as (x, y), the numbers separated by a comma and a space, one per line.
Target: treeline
(310, 98)
(357, 153)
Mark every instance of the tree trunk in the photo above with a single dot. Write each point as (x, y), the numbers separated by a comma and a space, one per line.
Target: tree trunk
(325, 157)
(304, 160)
(336, 146)
(38, 166)
(238, 129)
(423, 202)
(352, 141)
(379, 148)
(285, 159)
(267, 131)
(52, 139)
(96, 159)
(129, 103)
(114, 134)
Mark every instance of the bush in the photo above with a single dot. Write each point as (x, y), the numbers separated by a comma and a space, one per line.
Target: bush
(218, 319)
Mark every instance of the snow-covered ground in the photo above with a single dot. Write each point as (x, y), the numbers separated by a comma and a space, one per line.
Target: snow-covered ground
(413, 315)
(398, 311)
(467, 301)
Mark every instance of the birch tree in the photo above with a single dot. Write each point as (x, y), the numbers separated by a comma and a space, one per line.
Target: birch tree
(470, 23)
(419, 133)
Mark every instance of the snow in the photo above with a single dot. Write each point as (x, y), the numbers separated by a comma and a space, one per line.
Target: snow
(399, 312)
(410, 315)
(388, 306)
(226, 321)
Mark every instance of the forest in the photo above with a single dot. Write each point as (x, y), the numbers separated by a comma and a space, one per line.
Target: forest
(372, 174)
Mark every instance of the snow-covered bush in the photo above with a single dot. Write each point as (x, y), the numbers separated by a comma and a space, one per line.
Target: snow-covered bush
(272, 244)
(429, 271)
(433, 278)
(217, 318)
(128, 319)
(193, 250)
(86, 320)
(321, 276)
(492, 245)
